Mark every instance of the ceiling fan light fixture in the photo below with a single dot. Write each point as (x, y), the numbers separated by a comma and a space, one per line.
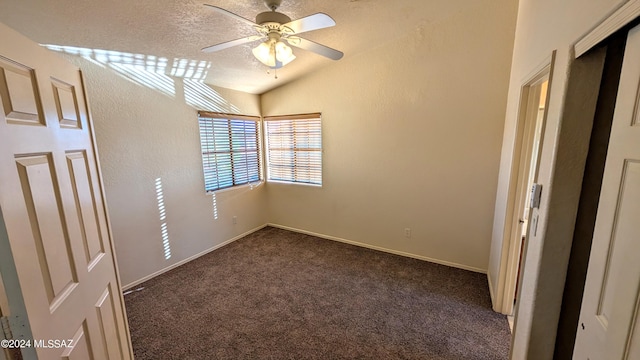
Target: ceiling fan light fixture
(284, 54)
(274, 54)
(265, 54)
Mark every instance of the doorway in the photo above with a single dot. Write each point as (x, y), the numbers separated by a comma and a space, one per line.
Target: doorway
(530, 155)
(533, 100)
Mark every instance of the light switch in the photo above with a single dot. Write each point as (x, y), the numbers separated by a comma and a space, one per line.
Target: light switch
(536, 193)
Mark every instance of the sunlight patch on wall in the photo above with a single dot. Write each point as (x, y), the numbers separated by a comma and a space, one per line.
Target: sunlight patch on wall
(160, 82)
(215, 206)
(203, 97)
(182, 68)
(148, 70)
(163, 220)
(190, 69)
(159, 74)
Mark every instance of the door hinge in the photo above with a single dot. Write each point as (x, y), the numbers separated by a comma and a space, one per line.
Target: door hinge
(6, 329)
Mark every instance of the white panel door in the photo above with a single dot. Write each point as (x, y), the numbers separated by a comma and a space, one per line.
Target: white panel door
(609, 325)
(53, 207)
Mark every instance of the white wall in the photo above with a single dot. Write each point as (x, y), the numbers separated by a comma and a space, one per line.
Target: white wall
(411, 134)
(543, 26)
(144, 134)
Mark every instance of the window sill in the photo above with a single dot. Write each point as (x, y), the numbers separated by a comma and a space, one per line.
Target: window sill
(294, 183)
(251, 186)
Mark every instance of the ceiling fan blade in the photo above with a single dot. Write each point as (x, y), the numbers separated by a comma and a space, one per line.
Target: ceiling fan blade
(228, 44)
(230, 14)
(319, 49)
(309, 23)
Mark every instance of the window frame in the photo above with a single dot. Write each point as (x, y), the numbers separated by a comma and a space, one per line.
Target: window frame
(319, 150)
(212, 117)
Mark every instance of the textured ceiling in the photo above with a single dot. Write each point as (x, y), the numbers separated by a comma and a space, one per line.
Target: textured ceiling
(172, 30)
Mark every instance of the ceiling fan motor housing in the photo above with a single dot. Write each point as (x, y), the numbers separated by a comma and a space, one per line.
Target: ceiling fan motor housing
(272, 17)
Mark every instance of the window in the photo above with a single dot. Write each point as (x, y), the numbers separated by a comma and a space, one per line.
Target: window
(230, 153)
(294, 148)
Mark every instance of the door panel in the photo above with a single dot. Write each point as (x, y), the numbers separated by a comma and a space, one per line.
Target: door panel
(609, 314)
(19, 93)
(66, 103)
(88, 217)
(52, 205)
(81, 349)
(108, 324)
(46, 218)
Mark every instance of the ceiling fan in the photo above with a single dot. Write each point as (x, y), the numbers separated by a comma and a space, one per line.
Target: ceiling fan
(276, 30)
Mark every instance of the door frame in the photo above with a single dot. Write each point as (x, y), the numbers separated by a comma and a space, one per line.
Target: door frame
(520, 164)
(11, 301)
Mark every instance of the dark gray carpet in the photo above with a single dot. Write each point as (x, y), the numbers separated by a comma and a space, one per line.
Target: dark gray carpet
(276, 294)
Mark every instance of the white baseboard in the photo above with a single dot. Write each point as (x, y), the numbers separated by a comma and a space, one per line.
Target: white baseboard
(182, 262)
(395, 252)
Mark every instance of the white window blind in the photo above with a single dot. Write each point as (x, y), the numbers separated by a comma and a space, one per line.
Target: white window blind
(294, 148)
(230, 152)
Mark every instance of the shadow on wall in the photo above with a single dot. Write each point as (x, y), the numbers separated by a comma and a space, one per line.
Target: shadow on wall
(159, 74)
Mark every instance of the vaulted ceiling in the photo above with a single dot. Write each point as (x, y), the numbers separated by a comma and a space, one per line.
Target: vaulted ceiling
(175, 31)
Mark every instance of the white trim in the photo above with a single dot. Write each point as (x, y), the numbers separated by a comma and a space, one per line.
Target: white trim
(378, 248)
(293, 183)
(510, 251)
(182, 262)
(623, 15)
(540, 71)
(492, 294)
(250, 186)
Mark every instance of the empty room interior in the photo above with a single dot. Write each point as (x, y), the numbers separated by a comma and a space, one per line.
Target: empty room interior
(319, 179)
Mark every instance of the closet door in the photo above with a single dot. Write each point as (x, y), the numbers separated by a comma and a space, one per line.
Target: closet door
(609, 325)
